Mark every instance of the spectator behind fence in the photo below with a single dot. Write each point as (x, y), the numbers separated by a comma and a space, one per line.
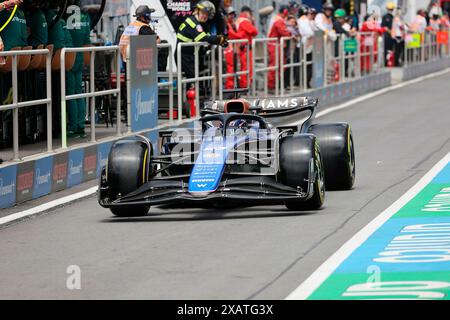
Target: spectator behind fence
(277, 30)
(445, 21)
(386, 22)
(195, 29)
(292, 48)
(37, 24)
(307, 27)
(398, 35)
(246, 28)
(324, 21)
(79, 29)
(435, 23)
(419, 24)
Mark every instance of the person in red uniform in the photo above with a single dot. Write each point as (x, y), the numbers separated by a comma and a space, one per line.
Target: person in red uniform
(277, 30)
(370, 30)
(229, 51)
(247, 30)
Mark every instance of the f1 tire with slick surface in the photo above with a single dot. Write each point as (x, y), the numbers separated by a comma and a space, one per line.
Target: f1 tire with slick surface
(300, 162)
(129, 166)
(338, 153)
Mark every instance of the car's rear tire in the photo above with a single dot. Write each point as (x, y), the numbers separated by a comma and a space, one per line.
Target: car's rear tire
(338, 153)
(129, 167)
(296, 153)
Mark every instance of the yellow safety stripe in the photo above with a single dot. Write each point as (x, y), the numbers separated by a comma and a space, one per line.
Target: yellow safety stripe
(191, 23)
(183, 38)
(200, 36)
(182, 26)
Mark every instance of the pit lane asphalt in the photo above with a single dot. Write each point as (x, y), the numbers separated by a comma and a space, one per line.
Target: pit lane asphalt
(259, 252)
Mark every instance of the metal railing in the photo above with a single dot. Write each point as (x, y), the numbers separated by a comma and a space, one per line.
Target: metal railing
(197, 78)
(266, 42)
(92, 93)
(235, 46)
(16, 105)
(169, 72)
(295, 65)
(427, 49)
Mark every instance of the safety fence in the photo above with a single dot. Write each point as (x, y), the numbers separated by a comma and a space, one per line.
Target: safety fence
(91, 93)
(236, 74)
(20, 61)
(207, 78)
(428, 46)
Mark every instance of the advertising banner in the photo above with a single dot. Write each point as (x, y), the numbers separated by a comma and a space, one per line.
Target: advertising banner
(8, 186)
(413, 40)
(42, 177)
(442, 37)
(144, 82)
(25, 179)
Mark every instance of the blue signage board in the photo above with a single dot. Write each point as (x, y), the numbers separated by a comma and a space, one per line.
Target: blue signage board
(143, 68)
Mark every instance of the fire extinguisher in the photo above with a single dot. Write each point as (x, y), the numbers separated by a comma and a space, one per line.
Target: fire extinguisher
(390, 59)
(336, 72)
(190, 96)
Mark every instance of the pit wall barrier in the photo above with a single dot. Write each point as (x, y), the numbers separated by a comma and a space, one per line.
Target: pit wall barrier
(424, 68)
(425, 53)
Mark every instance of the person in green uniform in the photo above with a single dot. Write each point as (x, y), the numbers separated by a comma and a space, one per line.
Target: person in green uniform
(15, 33)
(59, 37)
(56, 33)
(79, 28)
(37, 24)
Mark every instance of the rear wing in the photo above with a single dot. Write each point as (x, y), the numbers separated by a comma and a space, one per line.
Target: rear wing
(265, 107)
(282, 106)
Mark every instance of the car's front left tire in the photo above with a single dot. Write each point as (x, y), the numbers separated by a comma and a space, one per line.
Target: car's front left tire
(129, 167)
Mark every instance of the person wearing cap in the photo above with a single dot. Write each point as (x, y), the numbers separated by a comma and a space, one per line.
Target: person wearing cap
(139, 27)
(246, 28)
(229, 52)
(324, 20)
(195, 29)
(277, 30)
(386, 22)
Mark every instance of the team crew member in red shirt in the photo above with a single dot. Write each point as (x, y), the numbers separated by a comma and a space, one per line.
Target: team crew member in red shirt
(229, 51)
(277, 30)
(247, 30)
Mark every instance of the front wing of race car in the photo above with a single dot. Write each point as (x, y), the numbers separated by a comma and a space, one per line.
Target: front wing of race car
(249, 189)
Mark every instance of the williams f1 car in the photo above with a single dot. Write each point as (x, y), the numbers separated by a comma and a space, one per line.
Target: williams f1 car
(235, 155)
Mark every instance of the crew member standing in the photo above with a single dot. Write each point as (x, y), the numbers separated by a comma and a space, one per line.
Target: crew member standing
(229, 52)
(386, 22)
(79, 30)
(246, 28)
(193, 30)
(277, 30)
(139, 27)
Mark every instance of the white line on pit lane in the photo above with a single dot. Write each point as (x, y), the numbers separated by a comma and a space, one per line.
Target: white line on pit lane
(314, 281)
(48, 206)
(88, 192)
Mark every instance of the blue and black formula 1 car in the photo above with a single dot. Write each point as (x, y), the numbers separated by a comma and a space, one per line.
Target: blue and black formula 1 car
(235, 155)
